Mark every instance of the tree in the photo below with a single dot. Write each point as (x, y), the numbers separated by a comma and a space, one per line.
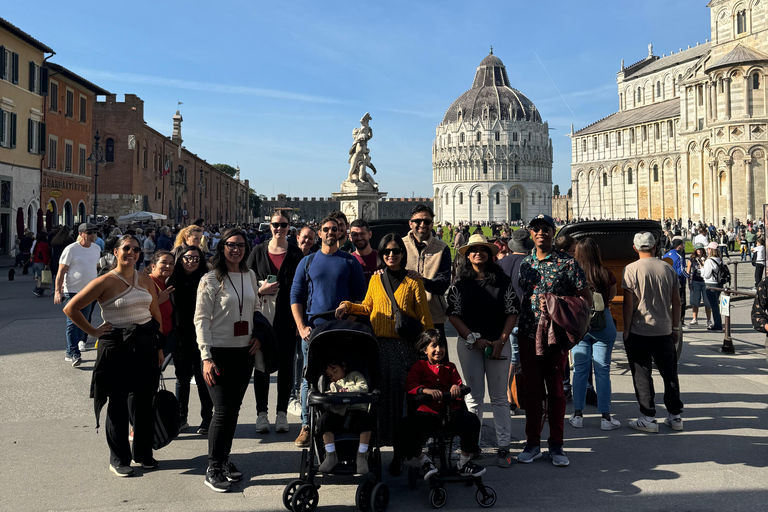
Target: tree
(556, 190)
(226, 169)
(254, 203)
(570, 192)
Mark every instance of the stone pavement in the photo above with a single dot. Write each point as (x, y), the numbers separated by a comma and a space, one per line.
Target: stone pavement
(52, 459)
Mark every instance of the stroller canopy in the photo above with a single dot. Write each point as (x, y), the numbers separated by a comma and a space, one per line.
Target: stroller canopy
(352, 342)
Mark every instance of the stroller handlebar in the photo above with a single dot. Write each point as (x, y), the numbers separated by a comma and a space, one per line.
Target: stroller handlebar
(422, 397)
(317, 398)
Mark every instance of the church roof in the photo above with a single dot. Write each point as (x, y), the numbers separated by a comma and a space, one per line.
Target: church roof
(491, 88)
(739, 55)
(668, 61)
(628, 118)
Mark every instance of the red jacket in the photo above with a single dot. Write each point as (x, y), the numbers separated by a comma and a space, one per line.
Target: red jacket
(42, 253)
(432, 376)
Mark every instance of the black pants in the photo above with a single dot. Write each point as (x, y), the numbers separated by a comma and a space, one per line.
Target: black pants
(134, 371)
(235, 366)
(682, 301)
(642, 352)
(759, 268)
(412, 431)
(356, 422)
(187, 363)
(286, 352)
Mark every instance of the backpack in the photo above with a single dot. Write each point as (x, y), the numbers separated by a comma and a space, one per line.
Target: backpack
(723, 275)
(597, 320)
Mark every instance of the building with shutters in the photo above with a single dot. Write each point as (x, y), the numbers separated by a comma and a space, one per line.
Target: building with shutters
(22, 129)
(690, 138)
(492, 155)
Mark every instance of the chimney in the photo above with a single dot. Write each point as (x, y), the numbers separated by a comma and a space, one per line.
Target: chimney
(176, 137)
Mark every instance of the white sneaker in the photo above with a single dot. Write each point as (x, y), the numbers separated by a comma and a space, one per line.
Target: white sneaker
(262, 423)
(81, 346)
(693, 322)
(645, 425)
(576, 421)
(674, 423)
(281, 422)
(611, 424)
(685, 327)
(709, 323)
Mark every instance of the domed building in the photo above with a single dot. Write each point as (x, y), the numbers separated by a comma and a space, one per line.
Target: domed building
(492, 155)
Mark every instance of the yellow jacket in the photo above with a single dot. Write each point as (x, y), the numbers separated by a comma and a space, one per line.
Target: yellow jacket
(411, 299)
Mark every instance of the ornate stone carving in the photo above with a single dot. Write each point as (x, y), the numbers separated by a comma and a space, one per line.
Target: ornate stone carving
(359, 157)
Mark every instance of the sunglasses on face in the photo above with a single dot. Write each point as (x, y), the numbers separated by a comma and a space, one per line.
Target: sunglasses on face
(427, 222)
(192, 259)
(332, 229)
(279, 225)
(393, 252)
(128, 248)
(232, 246)
(536, 229)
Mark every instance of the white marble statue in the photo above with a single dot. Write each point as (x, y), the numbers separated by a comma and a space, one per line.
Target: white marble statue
(359, 157)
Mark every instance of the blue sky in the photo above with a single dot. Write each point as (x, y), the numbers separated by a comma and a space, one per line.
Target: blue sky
(277, 87)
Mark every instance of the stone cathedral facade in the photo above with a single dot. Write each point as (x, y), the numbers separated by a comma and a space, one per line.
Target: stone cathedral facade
(690, 139)
(492, 155)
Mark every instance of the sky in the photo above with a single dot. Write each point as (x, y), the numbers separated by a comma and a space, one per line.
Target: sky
(277, 87)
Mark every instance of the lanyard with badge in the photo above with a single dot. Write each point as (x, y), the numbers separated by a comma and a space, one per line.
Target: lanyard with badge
(241, 327)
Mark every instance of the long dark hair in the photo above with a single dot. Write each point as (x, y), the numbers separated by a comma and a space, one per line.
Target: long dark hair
(598, 277)
(465, 270)
(179, 275)
(391, 237)
(219, 261)
(62, 237)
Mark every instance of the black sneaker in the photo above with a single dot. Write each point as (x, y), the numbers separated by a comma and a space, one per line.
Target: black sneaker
(429, 469)
(121, 471)
(203, 430)
(215, 479)
(149, 464)
(231, 472)
(471, 469)
(183, 423)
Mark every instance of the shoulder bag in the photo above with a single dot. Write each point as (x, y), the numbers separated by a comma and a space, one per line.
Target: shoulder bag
(406, 326)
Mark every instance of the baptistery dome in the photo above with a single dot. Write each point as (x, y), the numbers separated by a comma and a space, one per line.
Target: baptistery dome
(492, 155)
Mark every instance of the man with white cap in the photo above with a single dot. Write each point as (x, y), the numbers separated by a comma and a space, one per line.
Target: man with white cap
(651, 313)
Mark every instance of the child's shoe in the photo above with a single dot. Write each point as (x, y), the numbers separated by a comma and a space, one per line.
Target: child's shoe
(429, 469)
(362, 463)
(331, 459)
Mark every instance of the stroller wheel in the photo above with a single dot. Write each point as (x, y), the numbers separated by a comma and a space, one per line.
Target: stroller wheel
(413, 475)
(438, 496)
(289, 491)
(380, 497)
(305, 499)
(363, 495)
(486, 496)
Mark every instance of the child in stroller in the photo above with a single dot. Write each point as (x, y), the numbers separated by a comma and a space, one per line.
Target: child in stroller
(355, 417)
(437, 379)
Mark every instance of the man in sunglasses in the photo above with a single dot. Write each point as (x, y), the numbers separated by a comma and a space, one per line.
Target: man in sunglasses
(322, 281)
(77, 268)
(345, 244)
(545, 270)
(429, 259)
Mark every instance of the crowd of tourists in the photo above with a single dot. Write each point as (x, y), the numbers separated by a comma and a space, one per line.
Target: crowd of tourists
(232, 305)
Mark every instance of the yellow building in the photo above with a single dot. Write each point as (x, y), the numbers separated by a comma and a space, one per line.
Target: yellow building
(23, 81)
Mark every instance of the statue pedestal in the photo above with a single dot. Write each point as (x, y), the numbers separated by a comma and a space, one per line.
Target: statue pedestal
(359, 200)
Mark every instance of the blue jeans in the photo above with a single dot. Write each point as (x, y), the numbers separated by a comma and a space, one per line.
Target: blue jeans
(304, 386)
(38, 268)
(714, 300)
(596, 347)
(74, 333)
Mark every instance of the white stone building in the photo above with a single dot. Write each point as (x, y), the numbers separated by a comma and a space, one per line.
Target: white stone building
(492, 155)
(690, 137)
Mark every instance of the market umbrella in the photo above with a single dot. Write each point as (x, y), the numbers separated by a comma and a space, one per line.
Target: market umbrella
(39, 220)
(141, 216)
(48, 220)
(20, 222)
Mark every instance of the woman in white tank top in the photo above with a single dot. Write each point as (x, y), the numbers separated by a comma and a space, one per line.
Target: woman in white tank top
(128, 357)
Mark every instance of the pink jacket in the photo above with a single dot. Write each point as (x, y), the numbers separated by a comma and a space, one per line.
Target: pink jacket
(563, 324)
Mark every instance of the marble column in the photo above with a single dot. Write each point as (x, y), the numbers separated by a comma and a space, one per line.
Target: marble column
(747, 97)
(750, 191)
(708, 101)
(688, 192)
(661, 191)
(714, 100)
(729, 191)
(677, 197)
(685, 108)
(712, 196)
(575, 189)
(727, 86)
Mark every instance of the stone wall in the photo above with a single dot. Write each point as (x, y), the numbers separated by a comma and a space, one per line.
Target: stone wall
(316, 208)
(562, 208)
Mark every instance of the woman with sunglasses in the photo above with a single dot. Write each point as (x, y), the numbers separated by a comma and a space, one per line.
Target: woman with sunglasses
(275, 264)
(396, 354)
(189, 270)
(129, 354)
(483, 308)
(226, 299)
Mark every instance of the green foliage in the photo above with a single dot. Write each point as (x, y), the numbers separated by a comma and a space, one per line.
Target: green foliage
(556, 190)
(570, 192)
(254, 203)
(226, 169)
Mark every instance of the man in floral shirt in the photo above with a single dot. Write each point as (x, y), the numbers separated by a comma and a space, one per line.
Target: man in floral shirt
(546, 270)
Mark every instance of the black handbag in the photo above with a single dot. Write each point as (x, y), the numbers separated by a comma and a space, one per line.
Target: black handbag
(406, 326)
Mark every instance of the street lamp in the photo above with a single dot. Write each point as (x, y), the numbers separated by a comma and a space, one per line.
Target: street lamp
(201, 186)
(96, 157)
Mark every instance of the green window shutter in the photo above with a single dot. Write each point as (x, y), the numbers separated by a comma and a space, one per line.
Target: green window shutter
(31, 76)
(3, 76)
(13, 130)
(15, 68)
(3, 142)
(30, 132)
(44, 81)
(41, 145)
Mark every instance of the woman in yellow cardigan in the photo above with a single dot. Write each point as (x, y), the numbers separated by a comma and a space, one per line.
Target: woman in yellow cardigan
(396, 354)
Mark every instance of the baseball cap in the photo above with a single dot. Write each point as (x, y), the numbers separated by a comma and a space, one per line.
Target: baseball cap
(545, 218)
(85, 226)
(644, 240)
(712, 245)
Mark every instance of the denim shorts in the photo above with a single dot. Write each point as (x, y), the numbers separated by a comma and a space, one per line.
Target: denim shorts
(698, 295)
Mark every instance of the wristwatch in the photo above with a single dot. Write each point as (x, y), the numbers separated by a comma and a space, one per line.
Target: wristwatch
(472, 337)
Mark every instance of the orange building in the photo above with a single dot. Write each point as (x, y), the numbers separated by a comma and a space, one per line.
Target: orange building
(66, 175)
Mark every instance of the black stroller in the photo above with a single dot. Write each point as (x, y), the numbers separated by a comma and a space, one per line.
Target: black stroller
(360, 349)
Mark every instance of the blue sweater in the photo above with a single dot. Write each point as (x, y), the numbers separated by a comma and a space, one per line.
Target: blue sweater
(322, 283)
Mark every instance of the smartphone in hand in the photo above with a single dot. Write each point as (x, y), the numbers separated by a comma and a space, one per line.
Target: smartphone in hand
(271, 279)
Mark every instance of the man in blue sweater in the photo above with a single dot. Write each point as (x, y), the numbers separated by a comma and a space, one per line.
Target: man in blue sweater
(677, 255)
(323, 279)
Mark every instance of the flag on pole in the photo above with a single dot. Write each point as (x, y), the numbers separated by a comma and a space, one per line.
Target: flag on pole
(167, 166)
